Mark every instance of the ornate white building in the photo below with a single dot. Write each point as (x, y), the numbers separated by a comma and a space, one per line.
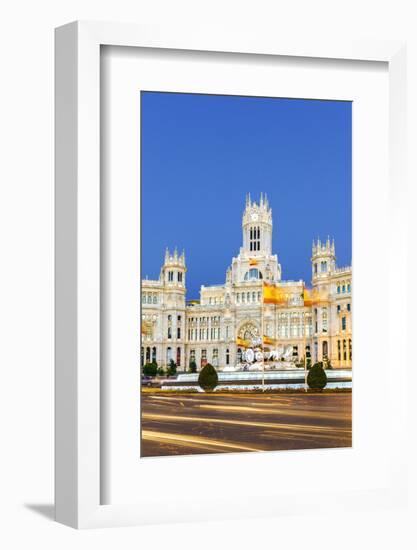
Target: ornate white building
(207, 330)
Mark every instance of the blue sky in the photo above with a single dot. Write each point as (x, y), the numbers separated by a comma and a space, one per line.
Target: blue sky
(201, 154)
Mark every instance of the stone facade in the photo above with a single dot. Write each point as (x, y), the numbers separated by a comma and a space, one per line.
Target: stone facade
(206, 330)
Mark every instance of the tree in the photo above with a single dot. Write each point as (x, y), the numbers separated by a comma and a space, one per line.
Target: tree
(172, 368)
(160, 371)
(317, 378)
(208, 378)
(150, 369)
(193, 366)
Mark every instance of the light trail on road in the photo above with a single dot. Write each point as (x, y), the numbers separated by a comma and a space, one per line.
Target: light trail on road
(208, 423)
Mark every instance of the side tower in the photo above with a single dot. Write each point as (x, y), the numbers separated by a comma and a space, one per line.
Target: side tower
(173, 323)
(173, 272)
(323, 260)
(257, 227)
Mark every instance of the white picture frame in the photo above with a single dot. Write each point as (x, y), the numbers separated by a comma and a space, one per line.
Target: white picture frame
(78, 426)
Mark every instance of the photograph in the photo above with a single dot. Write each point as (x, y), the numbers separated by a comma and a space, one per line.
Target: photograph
(246, 274)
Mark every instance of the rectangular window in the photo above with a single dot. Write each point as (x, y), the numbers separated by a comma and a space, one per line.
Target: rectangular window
(169, 333)
(343, 323)
(338, 350)
(178, 333)
(348, 307)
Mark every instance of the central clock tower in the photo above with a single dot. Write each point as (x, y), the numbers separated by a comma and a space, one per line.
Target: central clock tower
(255, 262)
(257, 227)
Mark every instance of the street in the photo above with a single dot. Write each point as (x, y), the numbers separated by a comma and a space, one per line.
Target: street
(200, 423)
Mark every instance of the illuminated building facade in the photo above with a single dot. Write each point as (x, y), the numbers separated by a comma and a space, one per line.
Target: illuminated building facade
(207, 330)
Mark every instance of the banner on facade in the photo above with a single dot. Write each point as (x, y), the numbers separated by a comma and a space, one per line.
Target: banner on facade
(274, 294)
(313, 296)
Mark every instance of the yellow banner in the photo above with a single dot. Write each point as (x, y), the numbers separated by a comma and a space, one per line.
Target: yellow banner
(242, 343)
(268, 341)
(146, 328)
(274, 295)
(313, 296)
(252, 261)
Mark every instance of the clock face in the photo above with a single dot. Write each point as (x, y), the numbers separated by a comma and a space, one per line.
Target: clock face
(254, 217)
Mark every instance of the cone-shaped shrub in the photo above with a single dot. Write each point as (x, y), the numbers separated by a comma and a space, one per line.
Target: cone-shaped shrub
(317, 378)
(208, 379)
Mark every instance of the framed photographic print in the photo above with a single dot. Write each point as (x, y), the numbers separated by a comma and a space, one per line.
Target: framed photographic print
(222, 348)
(260, 361)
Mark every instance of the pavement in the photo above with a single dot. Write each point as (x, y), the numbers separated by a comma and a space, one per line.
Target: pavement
(183, 424)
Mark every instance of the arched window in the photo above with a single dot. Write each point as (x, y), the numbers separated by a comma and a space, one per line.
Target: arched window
(254, 238)
(227, 357)
(253, 274)
(325, 349)
(153, 355)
